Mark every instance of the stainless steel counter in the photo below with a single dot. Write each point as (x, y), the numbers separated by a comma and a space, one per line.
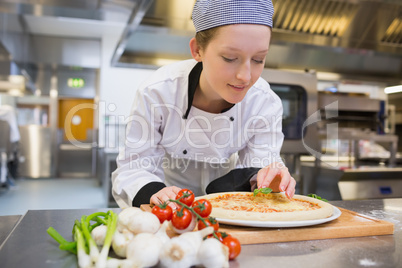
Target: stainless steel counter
(29, 245)
(7, 224)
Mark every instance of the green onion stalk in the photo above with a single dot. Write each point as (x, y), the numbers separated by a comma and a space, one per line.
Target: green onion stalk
(111, 223)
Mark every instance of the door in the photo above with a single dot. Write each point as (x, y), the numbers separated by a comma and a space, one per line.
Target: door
(76, 118)
(75, 151)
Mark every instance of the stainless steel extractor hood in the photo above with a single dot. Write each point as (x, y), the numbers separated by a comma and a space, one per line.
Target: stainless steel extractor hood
(350, 37)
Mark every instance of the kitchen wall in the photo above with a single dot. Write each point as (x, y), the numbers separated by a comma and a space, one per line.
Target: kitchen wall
(117, 87)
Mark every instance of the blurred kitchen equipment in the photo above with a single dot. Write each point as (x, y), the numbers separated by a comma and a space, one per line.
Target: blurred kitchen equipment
(358, 118)
(9, 138)
(35, 159)
(4, 150)
(355, 168)
(298, 92)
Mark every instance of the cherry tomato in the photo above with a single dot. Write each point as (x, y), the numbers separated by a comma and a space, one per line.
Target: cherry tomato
(216, 235)
(202, 207)
(185, 196)
(181, 218)
(209, 222)
(163, 212)
(234, 246)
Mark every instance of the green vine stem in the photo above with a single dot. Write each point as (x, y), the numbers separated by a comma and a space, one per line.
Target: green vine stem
(177, 201)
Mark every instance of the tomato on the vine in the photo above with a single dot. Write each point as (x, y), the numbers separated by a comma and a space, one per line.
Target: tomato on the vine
(163, 212)
(181, 218)
(185, 196)
(209, 222)
(202, 207)
(234, 246)
(217, 235)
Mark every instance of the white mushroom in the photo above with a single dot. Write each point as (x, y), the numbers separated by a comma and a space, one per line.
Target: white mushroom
(143, 222)
(125, 216)
(98, 234)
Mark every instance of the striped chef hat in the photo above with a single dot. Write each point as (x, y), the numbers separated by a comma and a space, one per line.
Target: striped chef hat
(213, 13)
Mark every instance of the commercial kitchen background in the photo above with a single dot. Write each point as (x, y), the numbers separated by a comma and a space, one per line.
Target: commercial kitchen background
(70, 69)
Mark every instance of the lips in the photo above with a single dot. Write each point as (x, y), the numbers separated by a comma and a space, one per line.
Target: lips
(238, 87)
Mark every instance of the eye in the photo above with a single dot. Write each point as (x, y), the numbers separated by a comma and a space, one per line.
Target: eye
(227, 59)
(258, 61)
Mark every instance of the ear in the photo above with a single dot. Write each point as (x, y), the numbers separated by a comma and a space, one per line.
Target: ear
(195, 50)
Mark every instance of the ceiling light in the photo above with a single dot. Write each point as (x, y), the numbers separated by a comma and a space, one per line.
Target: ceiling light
(394, 89)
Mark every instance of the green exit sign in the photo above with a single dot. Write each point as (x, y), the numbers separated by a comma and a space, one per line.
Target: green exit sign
(76, 82)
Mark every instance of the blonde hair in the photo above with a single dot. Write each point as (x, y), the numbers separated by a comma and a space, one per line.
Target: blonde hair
(204, 37)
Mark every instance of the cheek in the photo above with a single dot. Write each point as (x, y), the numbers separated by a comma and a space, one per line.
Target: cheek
(256, 73)
(219, 73)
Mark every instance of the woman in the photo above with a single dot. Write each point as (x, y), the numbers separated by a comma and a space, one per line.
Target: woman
(209, 124)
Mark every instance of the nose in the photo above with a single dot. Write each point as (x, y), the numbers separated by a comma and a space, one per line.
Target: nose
(244, 72)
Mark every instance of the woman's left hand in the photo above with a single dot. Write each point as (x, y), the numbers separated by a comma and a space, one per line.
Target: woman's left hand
(277, 177)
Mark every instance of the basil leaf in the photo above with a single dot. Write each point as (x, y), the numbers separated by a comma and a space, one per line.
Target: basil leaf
(262, 190)
(317, 197)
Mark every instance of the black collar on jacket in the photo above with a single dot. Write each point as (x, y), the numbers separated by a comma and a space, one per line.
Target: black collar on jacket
(193, 80)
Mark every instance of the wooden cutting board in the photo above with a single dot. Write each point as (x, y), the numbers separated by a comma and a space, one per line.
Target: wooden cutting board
(349, 224)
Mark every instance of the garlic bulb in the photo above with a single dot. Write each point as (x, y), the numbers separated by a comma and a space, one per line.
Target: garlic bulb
(161, 233)
(181, 251)
(178, 254)
(213, 254)
(118, 263)
(98, 234)
(144, 249)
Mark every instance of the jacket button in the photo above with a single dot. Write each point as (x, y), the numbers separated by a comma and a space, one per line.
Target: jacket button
(185, 152)
(231, 118)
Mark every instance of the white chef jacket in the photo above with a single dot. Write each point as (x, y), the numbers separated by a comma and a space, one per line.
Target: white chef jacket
(162, 146)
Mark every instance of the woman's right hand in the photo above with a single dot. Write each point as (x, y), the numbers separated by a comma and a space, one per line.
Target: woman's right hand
(164, 195)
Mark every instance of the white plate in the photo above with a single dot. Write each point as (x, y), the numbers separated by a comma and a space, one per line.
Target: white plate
(280, 224)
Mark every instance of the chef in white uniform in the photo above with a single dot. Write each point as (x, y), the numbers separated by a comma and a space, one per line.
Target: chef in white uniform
(209, 124)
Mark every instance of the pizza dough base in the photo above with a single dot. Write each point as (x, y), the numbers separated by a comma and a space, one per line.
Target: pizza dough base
(325, 211)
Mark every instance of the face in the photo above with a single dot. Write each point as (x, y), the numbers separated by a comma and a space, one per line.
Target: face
(233, 61)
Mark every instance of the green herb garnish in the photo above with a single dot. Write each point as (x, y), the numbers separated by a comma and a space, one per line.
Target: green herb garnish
(262, 190)
(317, 197)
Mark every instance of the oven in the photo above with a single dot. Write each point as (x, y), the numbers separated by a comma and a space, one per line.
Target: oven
(298, 92)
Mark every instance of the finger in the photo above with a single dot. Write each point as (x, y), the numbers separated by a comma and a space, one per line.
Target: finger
(269, 177)
(176, 190)
(285, 180)
(290, 191)
(171, 194)
(260, 176)
(155, 200)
